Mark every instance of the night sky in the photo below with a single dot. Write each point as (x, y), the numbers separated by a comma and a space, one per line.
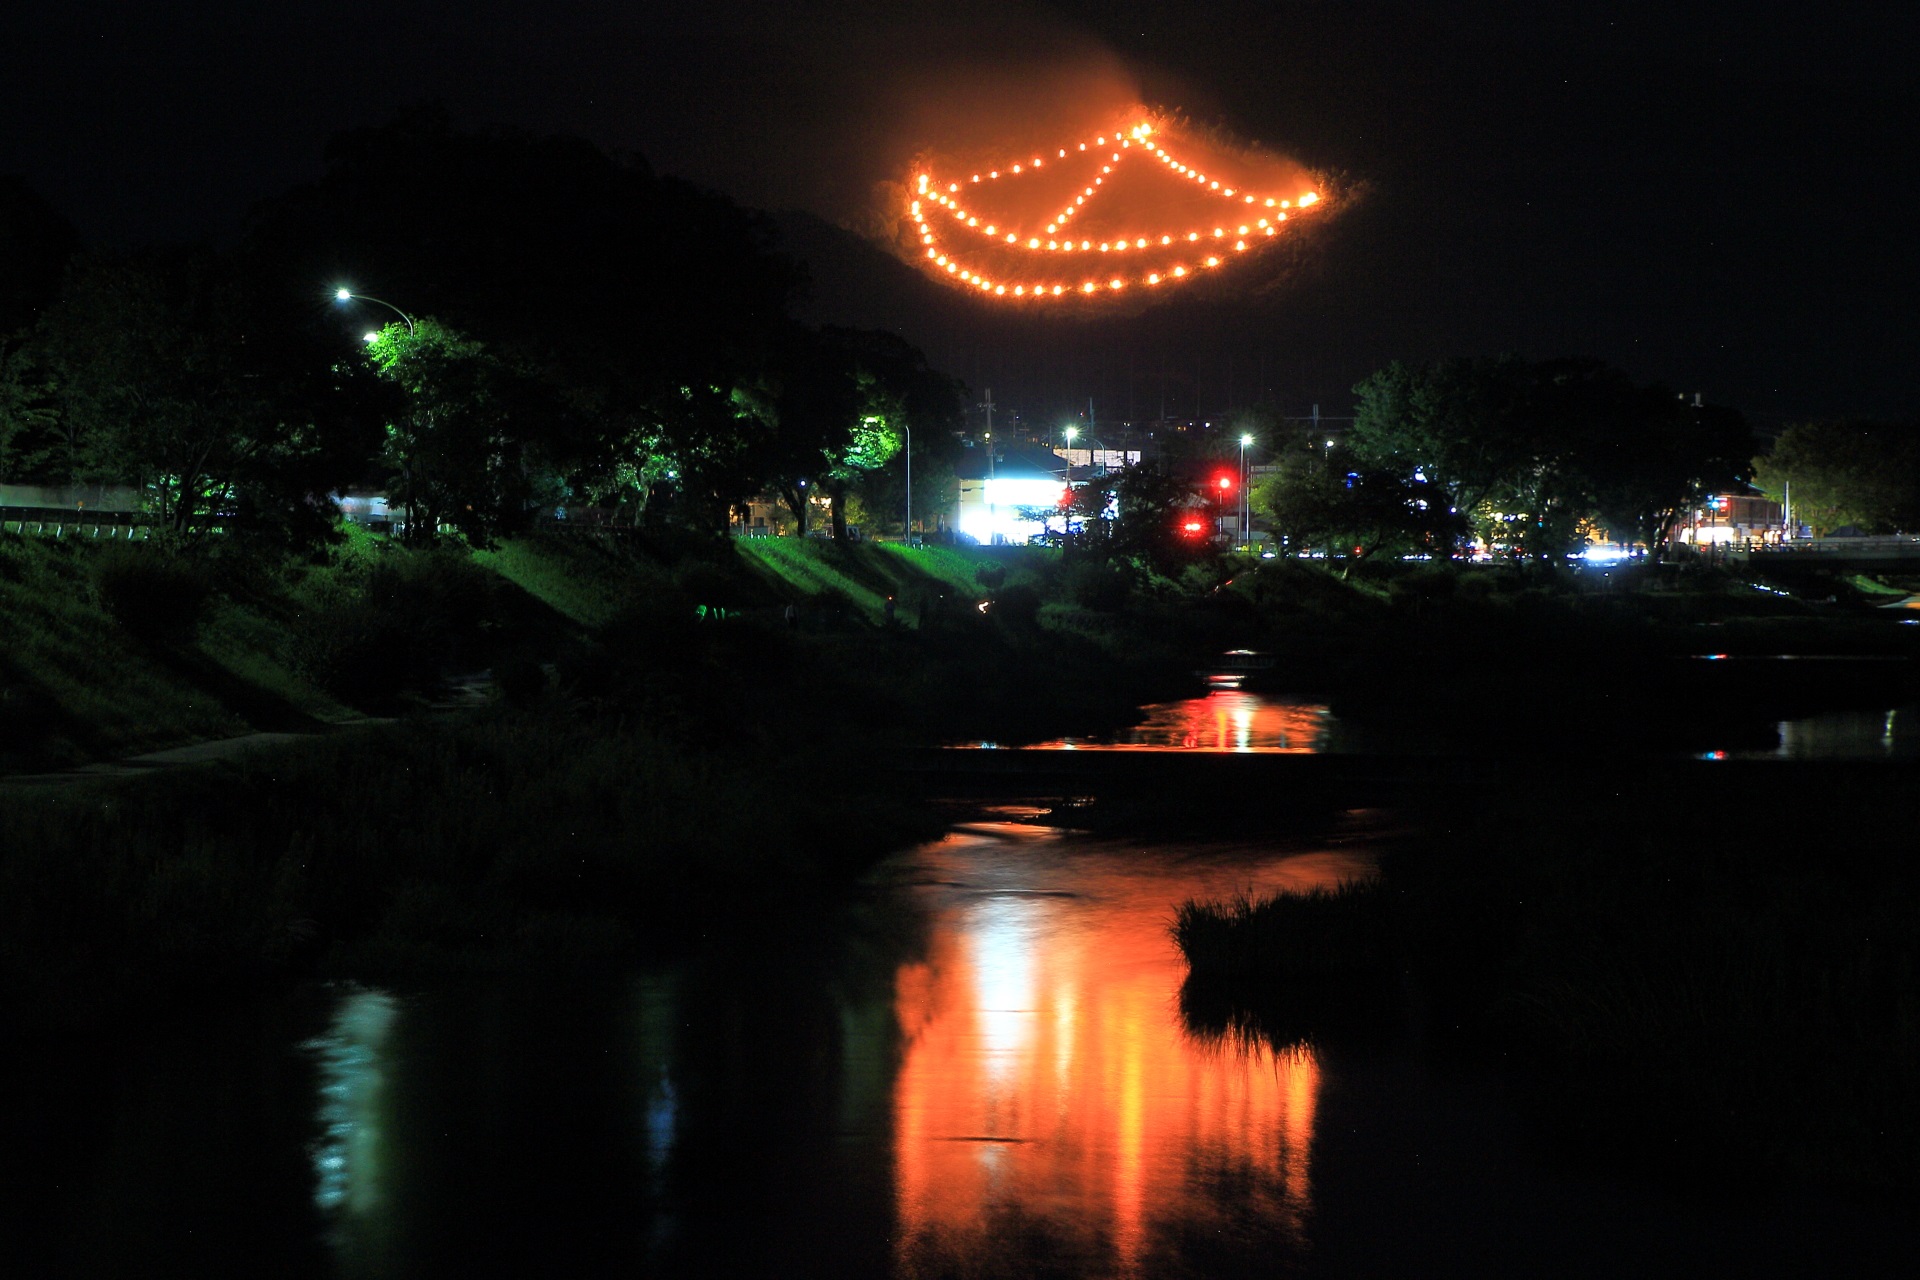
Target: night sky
(1721, 202)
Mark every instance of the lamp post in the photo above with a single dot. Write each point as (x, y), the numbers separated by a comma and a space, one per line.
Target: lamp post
(1246, 503)
(906, 530)
(1066, 479)
(344, 295)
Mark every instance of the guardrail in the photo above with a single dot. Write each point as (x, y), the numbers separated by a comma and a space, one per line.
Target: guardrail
(1816, 549)
(62, 522)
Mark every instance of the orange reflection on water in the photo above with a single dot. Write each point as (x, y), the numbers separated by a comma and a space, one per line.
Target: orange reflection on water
(1225, 720)
(1049, 1100)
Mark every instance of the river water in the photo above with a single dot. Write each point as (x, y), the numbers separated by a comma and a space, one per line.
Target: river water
(976, 1066)
(1240, 722)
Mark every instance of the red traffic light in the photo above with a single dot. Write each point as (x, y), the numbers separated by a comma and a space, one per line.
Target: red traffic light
(1224, 481)
(1192, 528)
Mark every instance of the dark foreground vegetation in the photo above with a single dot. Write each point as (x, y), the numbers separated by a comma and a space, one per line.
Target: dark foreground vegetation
(1705, 975)
(678, 740)
(1710, 958)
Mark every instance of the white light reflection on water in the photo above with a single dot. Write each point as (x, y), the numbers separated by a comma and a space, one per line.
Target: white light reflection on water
(1882, 734)
(353, 1077)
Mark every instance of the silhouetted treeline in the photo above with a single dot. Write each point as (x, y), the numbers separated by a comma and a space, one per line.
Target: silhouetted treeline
(546, 326)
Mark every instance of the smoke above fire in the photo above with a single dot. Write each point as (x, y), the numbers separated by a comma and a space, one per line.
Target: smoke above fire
(849, 106)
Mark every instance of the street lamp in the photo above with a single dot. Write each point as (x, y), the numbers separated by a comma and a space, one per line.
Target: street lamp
(345, 295)
(1066, 478)
(906, 530)
(1246, 503)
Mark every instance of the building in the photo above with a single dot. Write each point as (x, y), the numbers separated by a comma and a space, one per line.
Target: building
(1737, 519)
(1009, 495)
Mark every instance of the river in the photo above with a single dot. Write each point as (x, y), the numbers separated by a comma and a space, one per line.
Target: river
(1239, 722)
(977, 1065)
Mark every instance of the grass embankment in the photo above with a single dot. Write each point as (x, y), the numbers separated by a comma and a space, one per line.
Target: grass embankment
(538, 836)
(1713, 968)
(1498, 661)
(668, 755)
(112, 650)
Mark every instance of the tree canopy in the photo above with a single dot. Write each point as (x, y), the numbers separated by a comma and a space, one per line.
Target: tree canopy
(1527, 451)
(160, 375)
(1863, 474)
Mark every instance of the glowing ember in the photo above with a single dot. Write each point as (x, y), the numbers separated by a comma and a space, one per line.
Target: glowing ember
(1006, 238)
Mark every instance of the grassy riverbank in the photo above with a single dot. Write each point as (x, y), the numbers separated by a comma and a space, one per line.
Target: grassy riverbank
(687, 740)
(681, 741)
(511, 838)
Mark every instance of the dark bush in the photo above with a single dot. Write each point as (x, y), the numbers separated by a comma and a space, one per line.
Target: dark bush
(1423, 586)
(1105, 587)
(705, 583)
(398, 626)
(1017, 605)
(157, 594)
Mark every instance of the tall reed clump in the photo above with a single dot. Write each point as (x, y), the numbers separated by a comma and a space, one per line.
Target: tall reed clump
(1343, 932)
(1292, 969)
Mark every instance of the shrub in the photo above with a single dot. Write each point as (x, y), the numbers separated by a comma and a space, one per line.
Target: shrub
(1100, 586)
(157, 594)
(1017, 605)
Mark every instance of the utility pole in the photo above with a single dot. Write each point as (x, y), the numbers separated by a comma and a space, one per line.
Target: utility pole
(993, 518)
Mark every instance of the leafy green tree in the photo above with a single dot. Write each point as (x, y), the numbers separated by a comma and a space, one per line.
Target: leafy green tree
(166, 380)
(842, 402)
(1528, 451)
(896, 393)
(1331, 501)
(1139, 514)
(1461, 424)
(815, 402)
(1865, 474)
(35, 244)
(646, 304)
(464, 440)
(28, 416)
(711, 446)
(1665, 457)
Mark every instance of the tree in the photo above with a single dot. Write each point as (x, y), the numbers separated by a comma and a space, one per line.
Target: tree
(1864, 474)
(842, 401)
(1331, 500)
(1665, 458)
(1140, 513)
(162, 380)
(35, 244)
(710, 446)
(645, 303)
(28, 417)
(464, 440)
(896, 393)
(815, 401)
(1459, 424)
(1528, 451)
